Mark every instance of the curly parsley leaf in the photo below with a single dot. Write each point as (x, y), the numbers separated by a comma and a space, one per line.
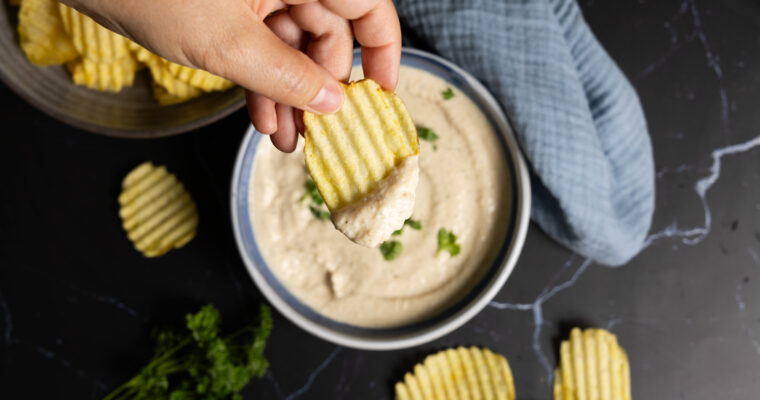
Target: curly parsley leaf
(204, 325)
(447, 94)
(447, 242)
(391, 249)
(198, 363)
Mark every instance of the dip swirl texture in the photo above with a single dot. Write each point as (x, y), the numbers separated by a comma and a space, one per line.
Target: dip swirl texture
(463, 187)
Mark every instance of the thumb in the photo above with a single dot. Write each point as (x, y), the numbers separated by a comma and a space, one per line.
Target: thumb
(251, 55)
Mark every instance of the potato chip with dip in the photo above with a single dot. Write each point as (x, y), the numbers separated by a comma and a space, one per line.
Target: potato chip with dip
(364, 161)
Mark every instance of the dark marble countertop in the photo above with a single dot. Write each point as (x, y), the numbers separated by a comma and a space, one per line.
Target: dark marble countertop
(77, 302)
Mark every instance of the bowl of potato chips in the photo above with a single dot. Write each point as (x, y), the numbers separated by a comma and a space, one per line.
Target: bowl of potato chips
(78, 72)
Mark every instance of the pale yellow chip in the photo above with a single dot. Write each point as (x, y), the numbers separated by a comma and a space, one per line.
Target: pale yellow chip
(174, 91)
(592, 367)
(172, 74)
(110, 77)
(203, 80)
(41, 33)
(459, 374)
(91, 40)
(165, 98)
(349, 152)
(156, 210)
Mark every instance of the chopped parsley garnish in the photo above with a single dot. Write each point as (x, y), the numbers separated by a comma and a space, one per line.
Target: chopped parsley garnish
(416, 225)
(428, 135)
(447, 241)
(317, 203)
(312, 192)
(391, 249)
(198, 362)
(448, 93)
(319, 214)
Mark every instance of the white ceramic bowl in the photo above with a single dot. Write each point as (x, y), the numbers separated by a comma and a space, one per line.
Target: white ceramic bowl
(448, 320)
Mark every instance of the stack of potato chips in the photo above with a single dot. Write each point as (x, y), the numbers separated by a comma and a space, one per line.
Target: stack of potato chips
(54, 34)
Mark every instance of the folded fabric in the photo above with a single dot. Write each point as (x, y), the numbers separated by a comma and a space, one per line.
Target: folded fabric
(578, 119)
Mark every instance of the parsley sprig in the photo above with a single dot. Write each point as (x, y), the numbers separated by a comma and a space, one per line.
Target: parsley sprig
(447, 94)
(199, 363)
(447, 242)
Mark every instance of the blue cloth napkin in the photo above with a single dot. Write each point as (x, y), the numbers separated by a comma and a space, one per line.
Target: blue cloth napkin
(576, 116)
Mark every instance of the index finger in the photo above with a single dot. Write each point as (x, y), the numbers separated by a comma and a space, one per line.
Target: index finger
(377, 29)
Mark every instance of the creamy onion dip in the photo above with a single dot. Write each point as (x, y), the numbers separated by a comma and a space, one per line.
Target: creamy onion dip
(463, 187)
(373, 218)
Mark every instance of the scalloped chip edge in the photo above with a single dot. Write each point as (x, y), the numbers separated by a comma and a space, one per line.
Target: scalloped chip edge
(592, 366)
(347, 153)
(459, 374)
(157, 212)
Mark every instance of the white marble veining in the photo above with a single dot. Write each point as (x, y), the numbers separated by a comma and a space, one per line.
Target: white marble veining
(694, 235)
(537, 308)
(691, 236)
(309, 380)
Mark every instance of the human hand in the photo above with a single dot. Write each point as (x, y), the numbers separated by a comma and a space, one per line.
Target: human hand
(289, 62)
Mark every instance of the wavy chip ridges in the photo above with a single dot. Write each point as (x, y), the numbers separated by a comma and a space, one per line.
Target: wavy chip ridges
(92, 40)
(349, 152)
(459, 374)
(41, 33)
(592, 367)
(110, 77)
(156, 210)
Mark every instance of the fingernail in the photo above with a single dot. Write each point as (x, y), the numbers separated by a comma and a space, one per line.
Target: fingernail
(328, 100)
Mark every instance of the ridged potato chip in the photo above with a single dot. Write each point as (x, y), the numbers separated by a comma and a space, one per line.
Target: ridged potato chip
(164, 98)
(459, 374)
(363, 160)
(111, 77)
(52, 33)
(91, 40)
(349, 152)
(156, 210)
(201, 79)
(41, 33)
(172, 72)
(177, 89)
(592, 366)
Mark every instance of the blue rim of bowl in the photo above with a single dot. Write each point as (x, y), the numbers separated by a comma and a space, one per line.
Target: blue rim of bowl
(454, 316)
